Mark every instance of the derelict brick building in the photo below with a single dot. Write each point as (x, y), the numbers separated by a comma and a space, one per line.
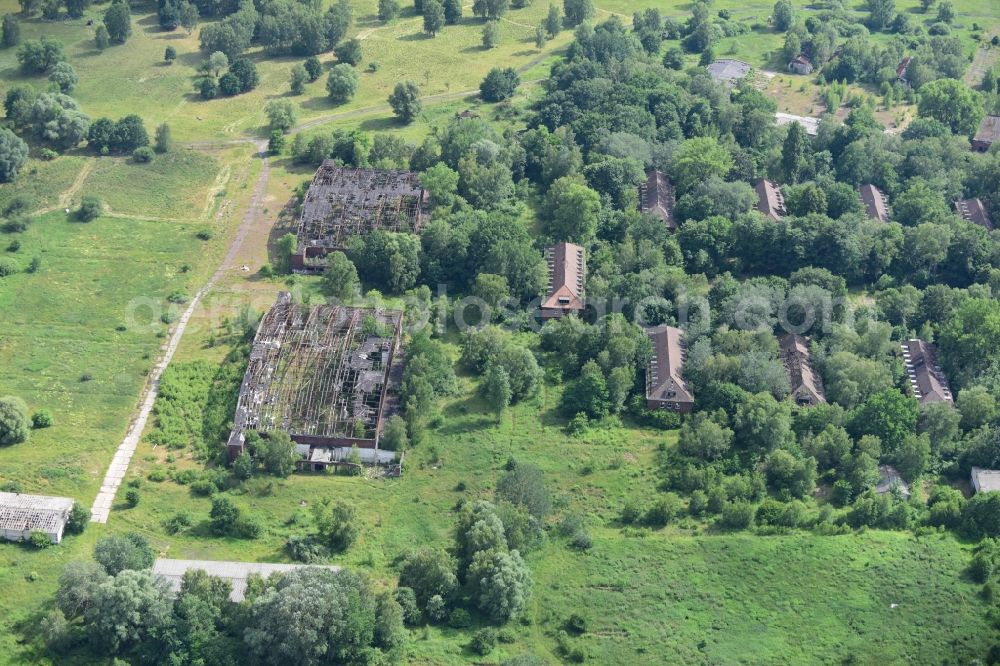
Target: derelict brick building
(343, 202)
(323, 375)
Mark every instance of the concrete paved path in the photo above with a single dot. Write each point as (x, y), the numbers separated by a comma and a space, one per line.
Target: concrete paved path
(119, 464)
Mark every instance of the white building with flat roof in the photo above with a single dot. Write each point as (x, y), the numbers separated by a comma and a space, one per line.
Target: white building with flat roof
(985, 480)
(236, 573)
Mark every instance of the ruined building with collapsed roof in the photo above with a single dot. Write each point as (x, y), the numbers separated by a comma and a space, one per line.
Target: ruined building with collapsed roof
(21, 515)
(807, 390)
(987, 134)
(657, 196)
(323, 374)
(342, 202)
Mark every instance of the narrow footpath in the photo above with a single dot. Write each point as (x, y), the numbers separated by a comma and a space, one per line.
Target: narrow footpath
(113, 478)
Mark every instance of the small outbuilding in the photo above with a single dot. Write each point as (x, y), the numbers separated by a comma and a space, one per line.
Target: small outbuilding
(889, 477)
(21, 514)
(800, 64)
(237, 573)
(985, 480)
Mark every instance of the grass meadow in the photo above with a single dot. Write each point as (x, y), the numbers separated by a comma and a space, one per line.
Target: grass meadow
(676, 595)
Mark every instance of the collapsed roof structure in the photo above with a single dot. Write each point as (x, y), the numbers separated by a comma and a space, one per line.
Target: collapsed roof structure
(21, 514)
(342, 202)
(809, 123)
(875, 201)
(927, 380)
(322, 374)
(805, 384)
(657, 196)
(903, 70)
(567, 269)
(665, 385)
(890, 477)
(728, 71)
(770, 200)
(800, 64)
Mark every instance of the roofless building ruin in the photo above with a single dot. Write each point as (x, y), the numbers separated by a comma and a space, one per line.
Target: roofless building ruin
(323, 375)
(342, 202)
(21, 515)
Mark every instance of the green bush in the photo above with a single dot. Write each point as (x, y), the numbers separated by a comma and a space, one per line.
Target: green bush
(8, 267)
(483, 641)
(407, 600)
(631, 513)
(42, 419)
(459, 619)
(249, 527)
(664, 510)
(177, 523)
(132, 497)
(39, 540)
(737, 515)
(79, 517)
(143, 155)
(90, 208)
(581, 540)
(576, 624)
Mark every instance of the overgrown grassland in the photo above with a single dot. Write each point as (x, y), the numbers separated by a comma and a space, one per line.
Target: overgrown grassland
(43, 182)
(175, 185)
(61, 347)
(785, 599)
(650, 597)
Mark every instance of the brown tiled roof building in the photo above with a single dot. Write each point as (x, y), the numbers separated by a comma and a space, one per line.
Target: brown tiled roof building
(876, 203)
(657, 197)
(770, 200)
(567, 272)
(665, 385)
(973, 210)
(806, 387)
(988, 134)
(927, 380)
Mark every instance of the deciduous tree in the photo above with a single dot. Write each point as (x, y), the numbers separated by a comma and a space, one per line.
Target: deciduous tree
(405, 101)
